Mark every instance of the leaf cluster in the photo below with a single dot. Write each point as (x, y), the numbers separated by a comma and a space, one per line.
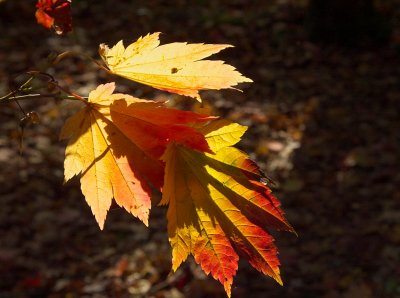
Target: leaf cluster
(123, 148)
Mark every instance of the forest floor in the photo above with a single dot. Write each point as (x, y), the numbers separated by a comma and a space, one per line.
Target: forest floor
(323, 123)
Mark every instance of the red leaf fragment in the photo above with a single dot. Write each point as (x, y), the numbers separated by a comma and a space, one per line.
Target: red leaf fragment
(54, 14)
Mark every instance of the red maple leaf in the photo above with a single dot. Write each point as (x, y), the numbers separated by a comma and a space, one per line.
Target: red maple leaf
(54, 14)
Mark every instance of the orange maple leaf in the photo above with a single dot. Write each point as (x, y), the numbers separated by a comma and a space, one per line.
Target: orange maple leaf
(115, 143)
(175, 67)
(219, 208)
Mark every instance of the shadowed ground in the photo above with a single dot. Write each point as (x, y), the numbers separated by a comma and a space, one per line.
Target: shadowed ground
(324, 124)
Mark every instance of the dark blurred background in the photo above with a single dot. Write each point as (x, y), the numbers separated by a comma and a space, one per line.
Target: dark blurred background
(323, 117)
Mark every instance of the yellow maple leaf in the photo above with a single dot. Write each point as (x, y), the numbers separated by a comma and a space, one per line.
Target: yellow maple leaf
(175, 67)
(115, 143)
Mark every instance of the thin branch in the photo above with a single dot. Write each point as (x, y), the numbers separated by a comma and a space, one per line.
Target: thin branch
(49, 79)
(20, 88)
(53, 82)
(9, 98)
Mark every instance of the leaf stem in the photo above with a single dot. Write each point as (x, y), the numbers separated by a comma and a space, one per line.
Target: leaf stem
(80, 55)
(72, 94)
(12, 95)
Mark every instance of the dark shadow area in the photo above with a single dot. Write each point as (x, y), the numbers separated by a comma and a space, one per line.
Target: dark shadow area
(323, 119)
(348, 167)
(347, 23)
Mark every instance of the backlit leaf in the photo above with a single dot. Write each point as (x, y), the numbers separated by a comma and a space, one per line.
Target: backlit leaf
(115, 143)
(219, 208)
(175, 67)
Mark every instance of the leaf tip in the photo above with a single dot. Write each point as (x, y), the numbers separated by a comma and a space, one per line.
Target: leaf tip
(146, 221)
(101, 224)
(228, 288)
(198, 97)
(276, 275)
(278, 279)
(247, 80)
(156, 34)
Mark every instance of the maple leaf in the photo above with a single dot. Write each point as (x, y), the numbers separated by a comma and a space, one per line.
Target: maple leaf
(219, 208)
(54, 14)
(174, 67)
(115, 142)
